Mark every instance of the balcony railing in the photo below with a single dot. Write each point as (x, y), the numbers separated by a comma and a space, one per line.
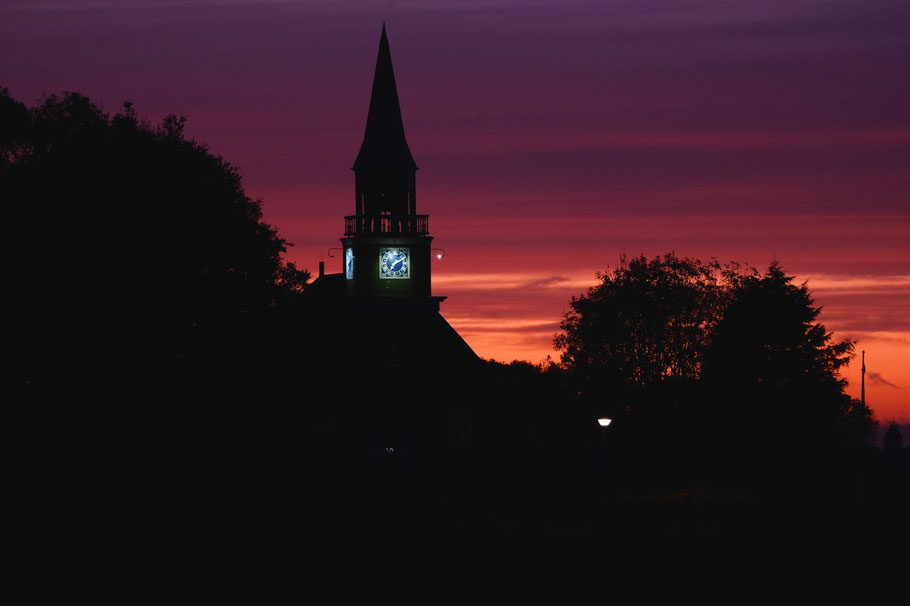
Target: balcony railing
(386, 223)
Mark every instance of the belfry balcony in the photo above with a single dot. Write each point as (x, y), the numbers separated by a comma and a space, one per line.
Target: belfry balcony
(387, 223)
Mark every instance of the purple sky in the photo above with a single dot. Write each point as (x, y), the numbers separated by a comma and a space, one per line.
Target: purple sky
(552, 136)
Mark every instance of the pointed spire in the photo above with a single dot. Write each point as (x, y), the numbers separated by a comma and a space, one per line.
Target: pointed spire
(384, 145)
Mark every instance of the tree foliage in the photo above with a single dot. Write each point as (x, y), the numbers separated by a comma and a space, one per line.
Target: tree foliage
(110, 218)
(772, 371)
(646, 321)
(138, 275)
(769, 337)
(724, 357)
(665, 318)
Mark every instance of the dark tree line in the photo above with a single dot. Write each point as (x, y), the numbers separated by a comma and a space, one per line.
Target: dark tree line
(160, 356)
(727, 367)
(143, 301)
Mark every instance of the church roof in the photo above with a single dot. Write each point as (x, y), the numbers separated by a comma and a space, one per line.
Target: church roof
(384, 145)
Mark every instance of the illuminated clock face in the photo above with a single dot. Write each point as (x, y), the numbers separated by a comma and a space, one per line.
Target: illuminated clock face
(393, 263)
(349, 263)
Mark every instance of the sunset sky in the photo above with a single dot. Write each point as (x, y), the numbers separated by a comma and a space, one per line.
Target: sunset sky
(552, 136)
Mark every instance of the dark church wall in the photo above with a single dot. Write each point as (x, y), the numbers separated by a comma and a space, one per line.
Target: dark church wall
(391, 404)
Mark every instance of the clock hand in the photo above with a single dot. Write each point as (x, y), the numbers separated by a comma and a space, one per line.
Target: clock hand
(397, 262)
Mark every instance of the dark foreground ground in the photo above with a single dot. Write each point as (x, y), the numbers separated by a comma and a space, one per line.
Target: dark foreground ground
(651, 548)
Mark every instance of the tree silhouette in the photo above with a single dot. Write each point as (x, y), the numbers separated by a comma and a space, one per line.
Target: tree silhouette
(719, 363)
(772, 374)
(647, 321)
(138, 277)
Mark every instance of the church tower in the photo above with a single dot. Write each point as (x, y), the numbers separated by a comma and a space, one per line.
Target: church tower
(395, 385)
(386, 243)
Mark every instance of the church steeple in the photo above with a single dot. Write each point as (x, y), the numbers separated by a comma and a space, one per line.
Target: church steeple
(386, 243)
(384, 184)
(384, 145)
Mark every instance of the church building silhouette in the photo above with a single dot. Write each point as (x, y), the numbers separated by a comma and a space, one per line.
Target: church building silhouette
(397, 382)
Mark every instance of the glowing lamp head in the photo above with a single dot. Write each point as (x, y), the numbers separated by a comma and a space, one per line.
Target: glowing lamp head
(605, 422)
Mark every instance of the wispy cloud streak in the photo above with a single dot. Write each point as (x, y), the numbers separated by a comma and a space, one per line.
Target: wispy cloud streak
(877, 379)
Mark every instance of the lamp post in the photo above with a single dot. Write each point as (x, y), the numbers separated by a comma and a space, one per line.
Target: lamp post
(604, 422)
